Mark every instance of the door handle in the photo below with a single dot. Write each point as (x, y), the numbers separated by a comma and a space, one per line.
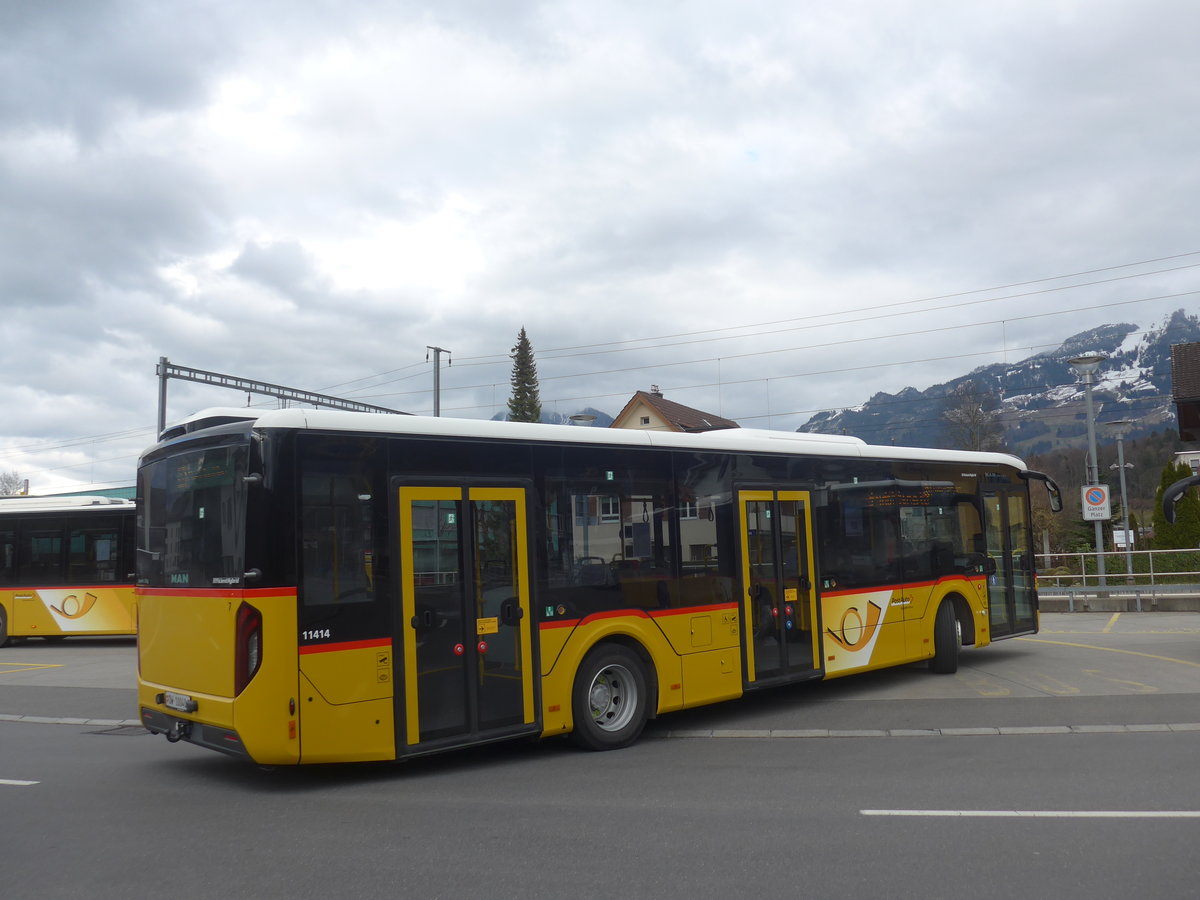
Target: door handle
(511, 612)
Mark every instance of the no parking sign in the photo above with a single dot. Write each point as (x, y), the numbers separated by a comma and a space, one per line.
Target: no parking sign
(1096, 504)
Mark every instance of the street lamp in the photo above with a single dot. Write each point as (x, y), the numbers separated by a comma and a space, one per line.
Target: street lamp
(1121, 428)
(1085, 367)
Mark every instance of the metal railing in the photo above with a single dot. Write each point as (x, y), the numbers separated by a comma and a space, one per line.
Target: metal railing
(1137, 574)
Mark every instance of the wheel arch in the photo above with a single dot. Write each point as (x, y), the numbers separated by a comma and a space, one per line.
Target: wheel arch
(663, 667)
(962, 612)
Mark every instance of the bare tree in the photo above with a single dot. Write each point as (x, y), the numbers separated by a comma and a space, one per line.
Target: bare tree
(972, 419)
(11, 484)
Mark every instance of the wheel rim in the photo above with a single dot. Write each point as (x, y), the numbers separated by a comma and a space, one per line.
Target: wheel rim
(613, 698)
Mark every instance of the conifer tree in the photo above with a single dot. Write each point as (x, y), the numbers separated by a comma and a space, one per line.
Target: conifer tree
(524, 405)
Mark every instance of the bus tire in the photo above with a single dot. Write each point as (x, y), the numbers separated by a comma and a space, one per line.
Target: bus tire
(947, 638)
(610, 698)
(3, 627)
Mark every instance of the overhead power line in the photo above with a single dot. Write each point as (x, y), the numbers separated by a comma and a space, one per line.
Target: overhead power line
(774, 326)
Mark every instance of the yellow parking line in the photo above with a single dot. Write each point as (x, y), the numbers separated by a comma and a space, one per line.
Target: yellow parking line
(27, 667)
(1111, 622)
(1183, 662)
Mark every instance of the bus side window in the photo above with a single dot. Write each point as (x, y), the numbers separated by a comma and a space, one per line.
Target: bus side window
(8, 556)
(93, 555)
(40, 555)
(336, 540)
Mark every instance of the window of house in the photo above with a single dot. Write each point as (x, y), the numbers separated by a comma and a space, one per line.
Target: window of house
(610, 509)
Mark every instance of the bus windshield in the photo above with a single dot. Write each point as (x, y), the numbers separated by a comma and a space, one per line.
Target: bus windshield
(194, 500)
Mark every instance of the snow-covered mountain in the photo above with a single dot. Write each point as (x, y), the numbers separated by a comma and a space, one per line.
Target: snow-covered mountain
(1041, 403)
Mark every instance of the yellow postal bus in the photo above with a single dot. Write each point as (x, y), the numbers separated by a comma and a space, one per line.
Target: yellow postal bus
(66, 567)
(330, 586)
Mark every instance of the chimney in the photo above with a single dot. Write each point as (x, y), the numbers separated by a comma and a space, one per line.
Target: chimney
(655, 391)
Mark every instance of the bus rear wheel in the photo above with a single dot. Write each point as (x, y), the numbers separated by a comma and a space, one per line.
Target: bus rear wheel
(947, 639)
(610, 698)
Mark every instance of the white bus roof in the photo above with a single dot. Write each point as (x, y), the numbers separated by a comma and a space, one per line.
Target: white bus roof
(744, 440)
(72, 503)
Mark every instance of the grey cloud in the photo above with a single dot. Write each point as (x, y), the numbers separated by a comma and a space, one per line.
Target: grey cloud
(78, 65)
(285, 267)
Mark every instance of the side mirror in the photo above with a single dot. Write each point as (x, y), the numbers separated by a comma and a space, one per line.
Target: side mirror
(1172, 495)
(1055, 495)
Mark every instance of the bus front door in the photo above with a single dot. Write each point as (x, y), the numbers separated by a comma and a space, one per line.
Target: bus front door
(464, 624)
(778, 592)
(1011, 608)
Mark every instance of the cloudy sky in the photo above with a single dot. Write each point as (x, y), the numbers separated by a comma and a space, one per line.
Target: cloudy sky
(767, 209)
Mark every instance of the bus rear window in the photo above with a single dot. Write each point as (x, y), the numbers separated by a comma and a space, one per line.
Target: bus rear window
(194, 500)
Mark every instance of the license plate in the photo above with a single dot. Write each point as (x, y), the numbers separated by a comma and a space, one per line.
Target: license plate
(181, 702)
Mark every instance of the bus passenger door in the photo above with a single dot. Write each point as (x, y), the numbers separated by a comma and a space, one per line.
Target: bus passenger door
(465, 623)
(1010, 587)
(779, 603)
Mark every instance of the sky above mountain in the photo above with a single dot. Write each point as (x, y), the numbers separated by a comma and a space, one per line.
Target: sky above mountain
(765, 209)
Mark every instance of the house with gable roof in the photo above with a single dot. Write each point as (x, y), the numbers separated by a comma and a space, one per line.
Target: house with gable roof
(650, 411)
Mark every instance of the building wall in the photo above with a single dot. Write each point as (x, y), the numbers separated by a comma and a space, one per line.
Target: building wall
(1191, 458)
(642, 411)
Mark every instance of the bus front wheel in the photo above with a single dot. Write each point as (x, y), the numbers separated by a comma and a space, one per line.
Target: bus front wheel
(947, 639)
(610, 698)
(3, 627)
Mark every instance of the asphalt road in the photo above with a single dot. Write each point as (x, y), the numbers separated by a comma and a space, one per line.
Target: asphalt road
(1061, 765)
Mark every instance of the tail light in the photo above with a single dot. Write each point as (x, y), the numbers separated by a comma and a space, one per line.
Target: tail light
(247, 657)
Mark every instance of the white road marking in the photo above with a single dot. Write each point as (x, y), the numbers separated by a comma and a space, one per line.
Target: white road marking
(1039, 813)
(17, 783)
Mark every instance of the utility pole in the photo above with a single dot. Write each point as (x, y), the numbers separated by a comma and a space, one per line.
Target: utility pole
(437, 376)
(1085, 367)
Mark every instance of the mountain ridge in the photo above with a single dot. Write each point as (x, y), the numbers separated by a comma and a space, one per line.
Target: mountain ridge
(1039, 402)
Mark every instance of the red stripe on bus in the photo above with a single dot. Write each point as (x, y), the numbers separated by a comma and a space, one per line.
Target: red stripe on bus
(691, 610)
(345, 645)
(902, 586)
(559, 623)
(640, 613)
(214, 592)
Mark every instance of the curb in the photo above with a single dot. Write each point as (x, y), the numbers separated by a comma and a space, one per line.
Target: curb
(48, 720)
(1003, 730)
